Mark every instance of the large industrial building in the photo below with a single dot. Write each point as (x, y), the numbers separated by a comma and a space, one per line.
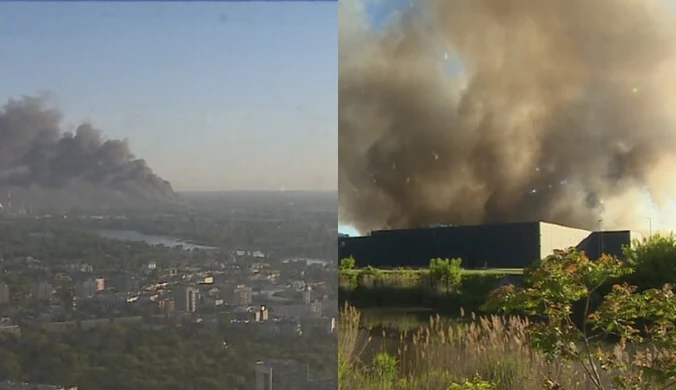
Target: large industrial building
(515, 245)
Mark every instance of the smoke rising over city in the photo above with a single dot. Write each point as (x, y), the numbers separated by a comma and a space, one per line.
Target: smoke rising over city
(563, 112)
(40, 161)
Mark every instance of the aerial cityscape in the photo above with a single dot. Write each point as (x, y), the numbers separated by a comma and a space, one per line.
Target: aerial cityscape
(128, 285)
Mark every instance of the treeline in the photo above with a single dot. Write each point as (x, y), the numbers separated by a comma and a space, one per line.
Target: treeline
(446, 287)
(288, 236)
(56, 245)
(61, 243)
(114, 358)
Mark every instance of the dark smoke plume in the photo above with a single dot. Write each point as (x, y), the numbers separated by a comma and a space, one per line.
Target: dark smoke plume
(564, 112)
(36, 155)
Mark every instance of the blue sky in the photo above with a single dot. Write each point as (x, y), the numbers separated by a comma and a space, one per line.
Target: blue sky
(215, 96)
(349, 230)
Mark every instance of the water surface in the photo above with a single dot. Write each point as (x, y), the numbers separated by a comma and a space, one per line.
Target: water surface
(134, 236)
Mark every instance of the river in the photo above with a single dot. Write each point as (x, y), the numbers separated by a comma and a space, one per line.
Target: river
(392, 321)
(402, 318)
(130, 235)
(308, 262)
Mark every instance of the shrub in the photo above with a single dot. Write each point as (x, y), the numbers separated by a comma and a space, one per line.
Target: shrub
(447, 272)
(567, 277)
(653, 260)
(347, 263)
(490, 351)
(385, 367)
(474, 384)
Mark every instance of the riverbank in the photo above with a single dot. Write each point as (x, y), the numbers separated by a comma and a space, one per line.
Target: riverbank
(490, 352)
(135, 236)
(365, 288)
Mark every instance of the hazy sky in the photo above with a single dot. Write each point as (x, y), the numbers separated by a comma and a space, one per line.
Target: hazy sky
(215, 96)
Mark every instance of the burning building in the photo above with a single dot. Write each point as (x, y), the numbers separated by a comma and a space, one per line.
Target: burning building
(515, 245)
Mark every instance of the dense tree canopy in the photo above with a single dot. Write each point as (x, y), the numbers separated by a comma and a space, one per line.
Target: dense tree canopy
(137, 358)
(653, 260)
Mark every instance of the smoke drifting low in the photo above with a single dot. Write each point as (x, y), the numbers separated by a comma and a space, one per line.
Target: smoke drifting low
(36, 156)
(563, 111)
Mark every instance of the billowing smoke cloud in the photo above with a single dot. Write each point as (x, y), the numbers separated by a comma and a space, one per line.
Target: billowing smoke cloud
(36, 155)
(563, 111)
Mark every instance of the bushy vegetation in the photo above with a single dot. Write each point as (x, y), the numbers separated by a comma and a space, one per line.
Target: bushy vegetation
(490, 353)
(645, 320)
(653, 261)
(187, 357)
(59, 243)
(625, 337)
(445, 285)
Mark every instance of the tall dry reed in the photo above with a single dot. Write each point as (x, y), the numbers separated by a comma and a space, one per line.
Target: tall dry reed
(437, 355)
(351, 340)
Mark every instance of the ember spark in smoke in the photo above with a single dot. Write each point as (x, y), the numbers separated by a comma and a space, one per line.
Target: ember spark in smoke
(563, 112)
(36, 155)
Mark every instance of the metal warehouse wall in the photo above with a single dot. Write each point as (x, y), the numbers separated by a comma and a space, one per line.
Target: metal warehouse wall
(610, 243)
(494, 246)
(554, 237)
(353, 246)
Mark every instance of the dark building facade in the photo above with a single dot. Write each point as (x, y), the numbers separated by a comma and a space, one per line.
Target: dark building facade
(611, 243)
(492, 246)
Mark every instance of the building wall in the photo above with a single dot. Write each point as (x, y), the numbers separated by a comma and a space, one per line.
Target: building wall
(242, 296)
(556, 237)
(186, 299)
(607, 242)
(494, 246)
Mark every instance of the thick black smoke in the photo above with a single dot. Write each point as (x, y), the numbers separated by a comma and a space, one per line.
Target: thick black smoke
(564, 112)
(36, 155)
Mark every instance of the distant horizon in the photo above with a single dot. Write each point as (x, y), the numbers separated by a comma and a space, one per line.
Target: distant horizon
(254, 190)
